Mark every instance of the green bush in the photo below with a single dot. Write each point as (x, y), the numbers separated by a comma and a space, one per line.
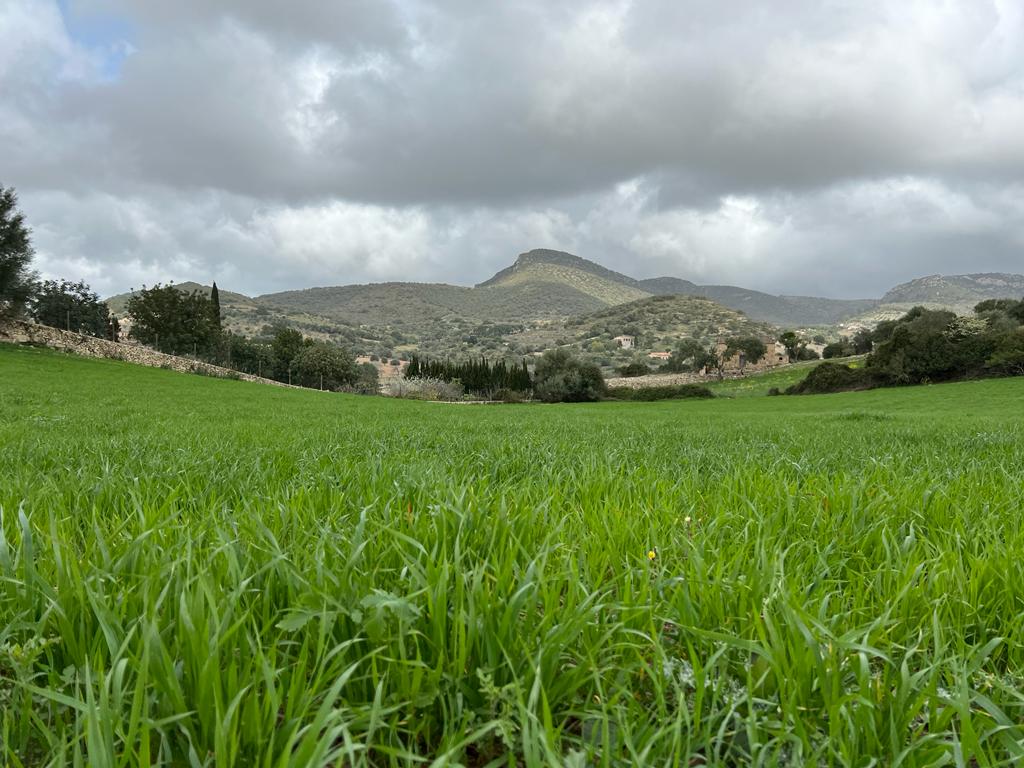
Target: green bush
(672, 392)
(834, 377)
(561, 378)
(633, 369)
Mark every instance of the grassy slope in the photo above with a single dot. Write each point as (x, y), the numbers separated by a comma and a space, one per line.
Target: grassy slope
(270, 574)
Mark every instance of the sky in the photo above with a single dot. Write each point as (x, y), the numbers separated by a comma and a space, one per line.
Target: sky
(821, 147)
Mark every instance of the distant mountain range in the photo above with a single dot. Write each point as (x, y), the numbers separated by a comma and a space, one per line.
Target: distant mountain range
(555, 294)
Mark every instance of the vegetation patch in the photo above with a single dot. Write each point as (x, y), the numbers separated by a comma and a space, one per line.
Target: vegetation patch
(676, 392)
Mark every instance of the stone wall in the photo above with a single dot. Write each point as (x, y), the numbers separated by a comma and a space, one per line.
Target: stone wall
(672, 379)
(18, 332)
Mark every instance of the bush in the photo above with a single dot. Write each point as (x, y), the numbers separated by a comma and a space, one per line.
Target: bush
(561, 378)
(509, 396)
(836, 349)
(423, 389)
(671, 392)
(833, 377)
(633, 369)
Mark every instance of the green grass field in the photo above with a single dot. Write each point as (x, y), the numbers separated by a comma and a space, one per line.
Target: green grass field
(207, 572)
(758, 384)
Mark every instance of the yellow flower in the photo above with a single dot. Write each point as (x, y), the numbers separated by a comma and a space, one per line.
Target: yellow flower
(652, 553)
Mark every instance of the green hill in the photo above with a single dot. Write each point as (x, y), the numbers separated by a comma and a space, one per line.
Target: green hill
(548, 296)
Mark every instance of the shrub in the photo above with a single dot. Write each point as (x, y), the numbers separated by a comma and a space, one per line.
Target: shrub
(633, 369)
(423, 389)
(671, 392)
(509, 396)
(836, 349)
(561, 378)
(833, 377)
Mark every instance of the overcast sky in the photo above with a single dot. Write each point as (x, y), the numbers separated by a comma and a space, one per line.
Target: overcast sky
(829, 147)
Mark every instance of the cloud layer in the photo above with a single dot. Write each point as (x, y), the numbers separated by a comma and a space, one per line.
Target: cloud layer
(795, 146)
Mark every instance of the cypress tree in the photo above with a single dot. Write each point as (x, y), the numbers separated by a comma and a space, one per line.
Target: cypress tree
(215, 300)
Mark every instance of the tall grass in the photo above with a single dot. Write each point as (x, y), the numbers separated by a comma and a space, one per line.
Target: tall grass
(203, 572)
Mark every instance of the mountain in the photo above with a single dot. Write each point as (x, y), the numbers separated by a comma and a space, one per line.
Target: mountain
(796, 311)
(549, 296)
(960, 292)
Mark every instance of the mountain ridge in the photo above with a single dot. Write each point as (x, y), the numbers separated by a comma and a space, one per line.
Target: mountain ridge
(545, 288)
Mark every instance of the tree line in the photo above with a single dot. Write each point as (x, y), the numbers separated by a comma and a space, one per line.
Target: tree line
(477, 376)
(167, 319)
(930, 345)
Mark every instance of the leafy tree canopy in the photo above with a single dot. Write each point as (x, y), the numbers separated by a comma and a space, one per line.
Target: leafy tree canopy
(17, 281)
(173, 321)
(560, 377)
(73, 306)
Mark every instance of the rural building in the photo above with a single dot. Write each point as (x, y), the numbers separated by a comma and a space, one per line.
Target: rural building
(659, 355)
(626, 342)
(775, 355)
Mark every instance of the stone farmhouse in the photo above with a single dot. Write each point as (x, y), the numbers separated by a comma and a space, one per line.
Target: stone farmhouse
(626, 342)
(775, 356)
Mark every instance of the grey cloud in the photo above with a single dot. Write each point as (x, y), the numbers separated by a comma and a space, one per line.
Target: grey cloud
(773, 144)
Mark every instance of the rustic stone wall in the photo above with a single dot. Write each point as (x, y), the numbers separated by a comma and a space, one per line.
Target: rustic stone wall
(18, 332)
(673, 379)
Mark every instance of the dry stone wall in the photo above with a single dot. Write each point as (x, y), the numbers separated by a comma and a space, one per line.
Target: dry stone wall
(19, 332)
(671, 379)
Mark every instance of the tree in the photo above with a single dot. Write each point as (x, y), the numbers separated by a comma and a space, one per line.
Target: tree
(322, 364)
(215, 305)
(689, 355)
(63, 304)
(286, 343)
(794, 345)
(243, 354)
(560, 377)
(836, 349)
(173, 321)
(367, 379)
(751, 348)
(862, 342)
(17, 281)
(1008, 356)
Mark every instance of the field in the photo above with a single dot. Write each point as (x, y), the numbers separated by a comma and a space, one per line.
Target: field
(759, 384)
(207, 572)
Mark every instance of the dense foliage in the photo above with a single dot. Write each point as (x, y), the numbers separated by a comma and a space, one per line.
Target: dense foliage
(928, 345)
(17, 281)
(561, 378)
(74, 307)
(693, 355)
(219, 573)
(672, 392)
(477, 377)
(323, 366)
(173, 321)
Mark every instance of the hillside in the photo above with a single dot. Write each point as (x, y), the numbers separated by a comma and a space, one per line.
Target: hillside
(959, 292)
(118, 304)
(546, 296)
(657, 323)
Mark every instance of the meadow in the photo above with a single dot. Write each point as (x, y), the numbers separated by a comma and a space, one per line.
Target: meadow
(208, 572)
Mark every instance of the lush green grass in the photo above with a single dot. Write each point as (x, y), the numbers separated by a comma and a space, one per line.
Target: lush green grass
(206, 572)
